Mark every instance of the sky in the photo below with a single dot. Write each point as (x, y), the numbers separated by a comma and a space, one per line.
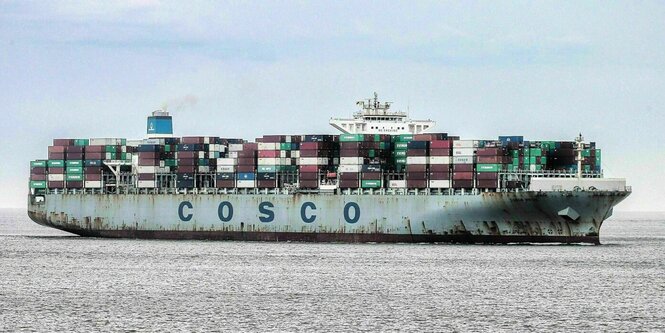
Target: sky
(543, 69)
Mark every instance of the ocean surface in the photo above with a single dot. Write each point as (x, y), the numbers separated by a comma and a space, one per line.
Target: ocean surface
(53, 281)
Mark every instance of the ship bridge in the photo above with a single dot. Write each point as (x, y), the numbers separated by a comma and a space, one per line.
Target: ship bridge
(375, 117)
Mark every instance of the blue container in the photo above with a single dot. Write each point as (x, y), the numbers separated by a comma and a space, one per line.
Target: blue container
(226, 176)
(185, 176)
(371, 168)
(514, 138)
(417, 145)
(246, 176)
(185, 183)
(147, 148)
(266, 176)
(93, 163)
(189, 147)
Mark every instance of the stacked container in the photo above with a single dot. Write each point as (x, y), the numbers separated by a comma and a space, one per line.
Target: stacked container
(38, 175)
(490, 161)
(464, 163)
(316, 159)
(440, 161)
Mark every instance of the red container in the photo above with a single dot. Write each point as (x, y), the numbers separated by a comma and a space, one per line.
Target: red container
(95, 156)
(416, 167)
(38, 177)
(416, 183)
(273, 138)
(75, 149)
(151, 154)
(439, 167)
(315, 146)
(56, 184)
(315, 153)
(463, 167)
(349, 176)
(491, 151)
(38, 170)
(57, 149)
(438, 144)
(247, 154)
(371, 176)
(92, 176)
(146, 176)
(309, 176)
(74, 156)
(246, 168)
(92, 170)
(309, 168)
(186, 168)
(244, 161)
(346, 145)
(249, 146)
(56, 170)
(458, 183)
(349, 183)
(487, 176)
(352, 153)
(439, 175)
(416, 152)
(309, 183)
(439, 152)
(63, 142)
(183, 154)
(487, 183)
(462, 175)
(187, 140)
(492, 159)
(226, 183)
(268, 153)
(77, 184)
(429, 136)
(95, 149)
(150, 162)
(56, 156)
(266, 184)
(416, 176)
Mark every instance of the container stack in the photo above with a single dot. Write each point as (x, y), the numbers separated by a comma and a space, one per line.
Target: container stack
(400, 143)
(148, 165)
(464, 160)
(363, 158)
(316, 159)
(417, 161)
(490, 161)
(38, 174)
(275, 155)
(246, 167)
(440, 160)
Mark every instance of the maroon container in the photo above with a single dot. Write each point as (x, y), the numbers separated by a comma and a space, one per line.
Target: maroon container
(58, 171)
(57, 149)
(149, 154)
(92, 176)
(439, 175)
(63, 142)
(316, 146)
(95, 149)
(186, 168)
(274, 138)
(59, 184)
(416, 183)
(371, 176)
(75, 149)
(77, 184)
(249, 146)
(492, 159)
(416, 152)
(463, 167)
(462, 175)
(146, 176)
(459, 183)
(38, 170)
(74, 156)
(95, 156)
(229, 183)
(185, 154)
(491, 152)
(349, 183)
(315, 153)
(487, 183)
(246, 168)
(247, 154)
(513, 184)
(56, 156)
(349, 176)
(266, 183)
(416, 167)
(188, 140)
(309, 176)
(429, 137)
(344, 145)
(439, 152)
(487, 176)
(352, 153)
(149, 162)
(246, 161)
(268, 153)
(416, 176)
(309, 183)
(438, 144)
(37, 177)
(439, 167)
(92, 170)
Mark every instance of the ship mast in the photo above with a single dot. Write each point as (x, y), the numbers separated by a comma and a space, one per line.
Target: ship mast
(578, 149)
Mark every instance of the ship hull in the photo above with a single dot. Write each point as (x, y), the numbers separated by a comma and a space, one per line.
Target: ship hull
(515, 217)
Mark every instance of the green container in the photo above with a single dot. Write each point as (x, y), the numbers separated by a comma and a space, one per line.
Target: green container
(123, 156)
(74, 170)
(543, 160)
(488, 167)
(548, 145)
(533, 160)
(598, 160)
(203, 162)
(285, 146)
(404, 138)
(38, 163)
(111, 149)
(401, 145)
(598, 153)
(384, 145)
(516, 153)
(513, 167)
(351, 137)
(399, 153)
(81, 142)
(516, 161)
(56, 163)
(167, 148)
(372, 153)
(370, 183)
(539, 167)
(170, 162)
(400, 160)
(74, 163)
(266, 168)
(37, 184)
(586, 153)
(535, 152)
(74, 177)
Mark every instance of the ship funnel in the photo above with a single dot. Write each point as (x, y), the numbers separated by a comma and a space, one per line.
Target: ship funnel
(160, 125)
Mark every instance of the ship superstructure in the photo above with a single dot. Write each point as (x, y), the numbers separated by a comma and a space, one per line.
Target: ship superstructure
(363, 185)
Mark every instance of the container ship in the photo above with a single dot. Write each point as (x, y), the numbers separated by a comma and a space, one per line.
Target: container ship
(384, 178)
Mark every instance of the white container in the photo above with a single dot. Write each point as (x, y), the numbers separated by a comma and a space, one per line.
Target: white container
(464, 151)
(227, 161)
(226, 168)
(146, 169)
(282, 153)
(232, 154)
(439, 183)
(463, 160)
(267, 161)
(416, 160)
(105, 142)
(440, 160)
(351, 160)
(313, 161)
(204, 168)
(92, 184)
(267, 146)
(465, 144)
(235, 147)
(397, 184)
(295, 153)
(349, 168)
(136, 143)
(286, 161)
(56, 177)
(147, 184)
(245, 183)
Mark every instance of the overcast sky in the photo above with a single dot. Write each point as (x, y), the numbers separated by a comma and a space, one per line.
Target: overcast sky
(545, 70)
